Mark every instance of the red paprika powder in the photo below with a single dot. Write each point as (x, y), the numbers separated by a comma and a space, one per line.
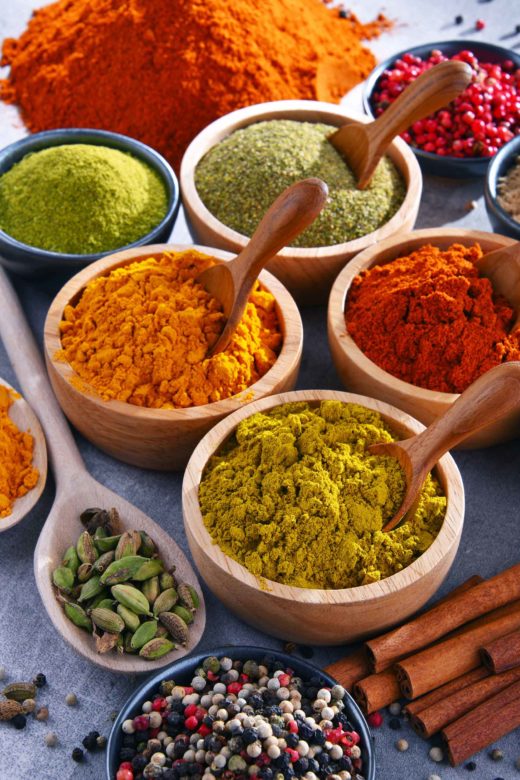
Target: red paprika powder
(431, 320)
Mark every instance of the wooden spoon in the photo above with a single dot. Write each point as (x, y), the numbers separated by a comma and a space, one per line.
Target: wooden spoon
(491, 397)
(75, 491)
(25, 420)
(286, 218)
(363, 145)
(502, 268)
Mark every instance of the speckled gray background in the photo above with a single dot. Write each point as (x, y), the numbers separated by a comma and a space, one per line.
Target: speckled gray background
(29, 643)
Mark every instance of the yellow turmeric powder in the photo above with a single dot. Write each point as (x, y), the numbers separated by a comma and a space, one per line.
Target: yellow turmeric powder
(141, 334)
(17, 475)
(295, 497)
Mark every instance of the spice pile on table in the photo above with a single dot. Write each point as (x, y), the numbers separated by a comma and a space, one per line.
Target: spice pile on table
(295, 497)
(240, 177)
(224, 56)
(428, 318)
(154, 326)
(17, 474)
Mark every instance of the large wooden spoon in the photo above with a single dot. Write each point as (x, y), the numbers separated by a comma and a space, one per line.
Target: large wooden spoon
(25, 420)
(491, 397)
(363, 145)
(502, 268)
(286, 218)
(75, 491)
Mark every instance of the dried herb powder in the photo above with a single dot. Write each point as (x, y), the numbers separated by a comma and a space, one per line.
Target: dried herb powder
(240, 177)
(81, 199)
(295, 497)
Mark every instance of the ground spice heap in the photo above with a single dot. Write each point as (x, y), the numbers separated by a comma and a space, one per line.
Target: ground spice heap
(509, 191)
(430, 319)
(141, 335)
(222, 56)
(81, 199)
(17, 475)
(239, 178)
(295, 497)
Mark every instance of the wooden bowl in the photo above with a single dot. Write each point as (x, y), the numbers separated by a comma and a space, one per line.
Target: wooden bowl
(159, 438)
(361, 375)
(307, 273)
(310, 615)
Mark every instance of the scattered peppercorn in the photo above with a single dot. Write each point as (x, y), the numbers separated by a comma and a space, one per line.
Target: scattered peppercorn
(402, 745)
(470, 766)
(28, 706)
(90, 741)
(394, 723)
(77, 755)
(395, 708)
(375, 720)
(436, 754)
(42, 713)
(344, 14)
(459, 19)
(19, 721)
(496, 754)
(71, 699)
(40, 680)
(101, 742)
(517, 29)
(51, 739)
(434, 777)
(480, 24)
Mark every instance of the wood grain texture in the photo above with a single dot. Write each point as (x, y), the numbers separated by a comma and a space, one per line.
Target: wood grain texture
(316, 616)
(359, 374)
(25, 420)
(307, 273)
(159, 438)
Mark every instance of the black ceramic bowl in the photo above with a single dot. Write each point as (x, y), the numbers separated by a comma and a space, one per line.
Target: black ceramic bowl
(182, 672)
(503, 160)
(457, 167)
(28, 260)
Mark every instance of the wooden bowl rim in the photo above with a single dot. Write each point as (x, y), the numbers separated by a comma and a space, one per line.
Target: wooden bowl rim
(369, 258)
(25, 419)
(398, 151)
(450, 530)
(288, 357)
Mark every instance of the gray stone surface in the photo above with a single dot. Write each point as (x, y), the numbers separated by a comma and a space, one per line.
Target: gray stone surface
(490, 542)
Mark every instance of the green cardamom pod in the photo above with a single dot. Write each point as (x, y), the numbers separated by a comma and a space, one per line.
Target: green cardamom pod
(86, 548)
(78, 616)
(195, 597)
(91, 588)
(130, 618)
(128, 544)
(100, 533)
(183, 613)
(106, 543)
(104, 561)
(166, 581)
(186, 593)
(20, 691)
(127, 639)
(63, 578)
(107, 620)
(131, 598)
(85, 571)
(144, 634)
(148, 547)
(151, 589)
(122, 569)
(98, 599)
(151, 568)
(176, 626)
(161, 631)
(70, 559)
(104, 604)
(165, 601)
(156, 648)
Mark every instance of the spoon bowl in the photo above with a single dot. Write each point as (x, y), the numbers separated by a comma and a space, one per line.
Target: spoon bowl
(25, 420)
(502, 268)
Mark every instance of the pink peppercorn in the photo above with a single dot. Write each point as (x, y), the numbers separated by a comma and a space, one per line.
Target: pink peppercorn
(375, 720)
(203, 730)
(190, 710)
(293, 754)
(191, 723)
(141, 723)
(480, 24)
(158, 705)
(293, 726)
(234, 687)
(284, 680)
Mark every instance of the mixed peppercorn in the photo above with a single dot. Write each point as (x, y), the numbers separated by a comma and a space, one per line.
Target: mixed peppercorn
(476, 124)
(242, 721)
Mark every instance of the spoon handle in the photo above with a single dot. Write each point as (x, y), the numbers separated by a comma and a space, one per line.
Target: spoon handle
(28, 366)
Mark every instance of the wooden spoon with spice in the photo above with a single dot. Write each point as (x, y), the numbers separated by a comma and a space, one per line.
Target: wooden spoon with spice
(76, 490)
(502, 268)
(363, 145)
(491, 397)
(292, 211)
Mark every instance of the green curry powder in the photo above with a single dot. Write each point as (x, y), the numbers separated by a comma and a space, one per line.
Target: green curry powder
(240, 177)
(80, 199)
(295, 497)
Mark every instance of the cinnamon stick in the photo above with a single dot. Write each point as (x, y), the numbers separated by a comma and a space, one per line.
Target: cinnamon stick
(376, 691)
(349, 670)
(484, 725)
(502, 654)
(413, 707)
(432, 719)
(502, 589)
(447, 660)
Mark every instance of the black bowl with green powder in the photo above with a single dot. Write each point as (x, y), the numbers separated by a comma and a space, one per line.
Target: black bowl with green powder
(239, 178)
(71, 196)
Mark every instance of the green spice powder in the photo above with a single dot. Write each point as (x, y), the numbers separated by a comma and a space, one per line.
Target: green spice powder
(80, 199)
(240, 177)
(295, 497)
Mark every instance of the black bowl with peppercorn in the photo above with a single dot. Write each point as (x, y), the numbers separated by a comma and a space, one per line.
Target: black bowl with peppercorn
(458, 141)
(277, 742)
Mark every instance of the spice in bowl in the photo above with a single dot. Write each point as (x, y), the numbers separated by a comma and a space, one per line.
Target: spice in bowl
(476, 124)
(17, 474)
(295, 497)
(115, 585)
(240, 177)
(81, 199)
(154, 324)
(239, 719)
(428, 318)
(508, 191)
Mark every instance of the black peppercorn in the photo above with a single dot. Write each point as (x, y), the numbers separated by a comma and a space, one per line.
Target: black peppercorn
(292, 740)
(126, 754)
(77, 755)
(40, 680)
(139, 763)
(90, 741)
(301, 765)
(343, 14)
(470, 766)
(459, 19)
(19, 721)
(394, 723)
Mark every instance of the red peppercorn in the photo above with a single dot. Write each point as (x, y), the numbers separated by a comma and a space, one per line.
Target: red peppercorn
(293, 726)
(244, 678)
(375, 720)
(188, 690)
(191, 723)
(263, 760)
(212, 676)
(158, 705)
(190, 710)
(480, 24)
(234, 687)
(293, 754)
(203, 730)
(154, 732)
(141, 723)
(125, 773)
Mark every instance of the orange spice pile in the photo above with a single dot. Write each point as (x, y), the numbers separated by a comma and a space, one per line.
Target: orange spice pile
(17, 475)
